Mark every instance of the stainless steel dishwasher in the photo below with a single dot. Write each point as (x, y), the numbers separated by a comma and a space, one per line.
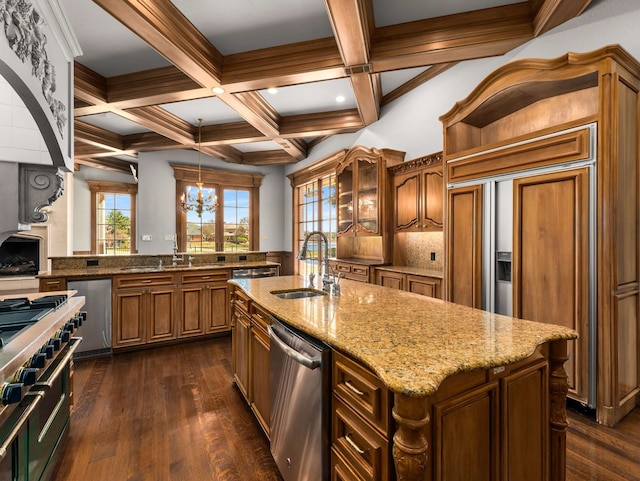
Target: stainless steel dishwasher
(300, 404)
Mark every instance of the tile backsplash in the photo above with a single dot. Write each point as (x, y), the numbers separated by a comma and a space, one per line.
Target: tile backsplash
(419, 247)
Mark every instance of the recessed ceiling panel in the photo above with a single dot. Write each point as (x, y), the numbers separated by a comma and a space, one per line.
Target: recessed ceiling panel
(312, 97)
(113, 123)
(211, 110)
(401, 11)
(109, 48)
(257, 146)
(395, 78)
(244, 25)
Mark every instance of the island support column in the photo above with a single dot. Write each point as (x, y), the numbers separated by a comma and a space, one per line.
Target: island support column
(558, 387)
(411, 440)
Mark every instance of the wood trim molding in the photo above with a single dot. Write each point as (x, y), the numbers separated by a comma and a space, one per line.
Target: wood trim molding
(424, 161)
(217, 176)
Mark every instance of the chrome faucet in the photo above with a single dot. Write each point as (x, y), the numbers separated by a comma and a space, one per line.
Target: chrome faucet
(329, 282)
(175, 258)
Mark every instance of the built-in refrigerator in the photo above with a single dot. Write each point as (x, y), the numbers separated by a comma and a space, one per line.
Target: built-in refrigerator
(498, 239)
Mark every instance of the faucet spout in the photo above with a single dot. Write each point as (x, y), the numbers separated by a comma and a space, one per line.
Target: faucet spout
(327, 279)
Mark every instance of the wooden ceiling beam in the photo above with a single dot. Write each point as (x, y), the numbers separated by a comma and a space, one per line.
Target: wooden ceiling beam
(452, 38)
(113, 165)
(269, 157)
(320, 124)
(96, 136)
(162, 122)
(416, 81)
(224, 152)
(552, 13)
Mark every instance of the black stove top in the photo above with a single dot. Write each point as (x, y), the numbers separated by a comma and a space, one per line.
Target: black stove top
(20, 312)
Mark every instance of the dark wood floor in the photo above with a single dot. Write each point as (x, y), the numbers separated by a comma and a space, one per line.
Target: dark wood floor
(172, 414)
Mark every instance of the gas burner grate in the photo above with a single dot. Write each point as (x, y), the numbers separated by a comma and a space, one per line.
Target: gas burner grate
(23, 303)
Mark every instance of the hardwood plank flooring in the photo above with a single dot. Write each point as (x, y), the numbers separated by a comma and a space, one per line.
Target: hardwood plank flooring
(172, 414)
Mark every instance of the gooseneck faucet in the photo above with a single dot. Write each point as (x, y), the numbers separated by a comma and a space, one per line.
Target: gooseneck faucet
(328, 280)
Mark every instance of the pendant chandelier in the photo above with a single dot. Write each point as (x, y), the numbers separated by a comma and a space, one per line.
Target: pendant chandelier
(199, 203)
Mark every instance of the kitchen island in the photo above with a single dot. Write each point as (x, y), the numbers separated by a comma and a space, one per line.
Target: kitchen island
(475, 395)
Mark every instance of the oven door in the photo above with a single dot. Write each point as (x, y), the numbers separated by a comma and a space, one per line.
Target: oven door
(14, 439)
(50, 419)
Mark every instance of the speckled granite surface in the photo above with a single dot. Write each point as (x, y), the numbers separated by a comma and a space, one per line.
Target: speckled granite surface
(411, 342)
(116, 270)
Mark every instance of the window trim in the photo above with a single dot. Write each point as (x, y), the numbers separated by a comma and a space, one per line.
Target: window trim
(97, 187)
(219, 180)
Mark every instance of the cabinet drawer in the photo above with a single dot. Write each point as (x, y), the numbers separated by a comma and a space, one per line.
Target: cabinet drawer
(344, 268)
(360, 271)
(363, 448)
(362, 391)
(260, 317)
(52, 284)
(143, 280)
(340, 469)
(427, 286)
(241, 300)
(203, 277)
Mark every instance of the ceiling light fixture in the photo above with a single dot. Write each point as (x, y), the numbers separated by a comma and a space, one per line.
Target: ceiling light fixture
(217, 90)
(199, 203)
(340, 99)
(272, 90)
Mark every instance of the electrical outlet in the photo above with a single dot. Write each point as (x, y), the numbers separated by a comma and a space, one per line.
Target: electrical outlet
(433, 256)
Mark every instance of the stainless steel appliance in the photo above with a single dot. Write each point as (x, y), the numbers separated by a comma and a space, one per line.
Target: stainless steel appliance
(35, 381)
(96, 335)
(300, 404)
(254, 272)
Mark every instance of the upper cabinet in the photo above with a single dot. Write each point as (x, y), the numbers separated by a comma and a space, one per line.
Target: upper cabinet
(365, 202)
(418, 194)
(362, 190)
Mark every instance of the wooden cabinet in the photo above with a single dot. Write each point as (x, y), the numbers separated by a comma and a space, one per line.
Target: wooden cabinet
(250, 354)
(418, 194)
(144, 309)
(50, 284)
(418, 284)
(537, 113)
(204, 302)
(351, 270)
(361, 423)
(364, 203)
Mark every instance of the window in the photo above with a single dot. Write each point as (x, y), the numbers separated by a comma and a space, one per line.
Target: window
(113, 218)
(315, 210)
(234, 226)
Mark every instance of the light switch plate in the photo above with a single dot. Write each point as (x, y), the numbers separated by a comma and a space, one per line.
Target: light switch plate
(146, 237)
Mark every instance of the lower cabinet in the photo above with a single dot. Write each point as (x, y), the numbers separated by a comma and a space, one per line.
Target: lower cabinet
(250, 355)
(424, 285)
(144, 310)
(203, 300)
(351, 271)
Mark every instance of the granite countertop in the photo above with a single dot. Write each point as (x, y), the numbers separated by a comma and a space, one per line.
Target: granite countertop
(132, 269)
(411, 342)
(417, 271)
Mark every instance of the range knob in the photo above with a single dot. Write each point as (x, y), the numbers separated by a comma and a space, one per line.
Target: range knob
(56, 342)
(38, 360)
(65, 336)
(11, 392)
(26, 375)
(83, 315)
(47, 350)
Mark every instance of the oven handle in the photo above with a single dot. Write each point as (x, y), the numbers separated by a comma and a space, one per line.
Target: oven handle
(311, 363)
(61, 365)
(4, 448)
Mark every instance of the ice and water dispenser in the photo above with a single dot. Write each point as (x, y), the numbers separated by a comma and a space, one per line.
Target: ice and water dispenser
(503, 266)
(503, 303)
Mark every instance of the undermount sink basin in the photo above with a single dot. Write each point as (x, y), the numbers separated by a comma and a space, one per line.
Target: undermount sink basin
(298, 294)
(137, 269)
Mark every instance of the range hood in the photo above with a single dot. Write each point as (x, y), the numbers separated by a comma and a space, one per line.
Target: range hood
(26, 190)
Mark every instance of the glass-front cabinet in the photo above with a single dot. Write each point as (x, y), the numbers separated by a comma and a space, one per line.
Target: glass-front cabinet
(361, 183)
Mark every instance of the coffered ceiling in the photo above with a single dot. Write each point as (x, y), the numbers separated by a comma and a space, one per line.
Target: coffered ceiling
(149, 66)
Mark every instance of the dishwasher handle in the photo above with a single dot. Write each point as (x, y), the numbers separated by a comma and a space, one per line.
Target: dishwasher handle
(311, 363)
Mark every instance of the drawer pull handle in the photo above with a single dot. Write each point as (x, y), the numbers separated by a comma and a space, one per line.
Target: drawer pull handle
(206, 277)
(353, 389)
(354, 446)
(146, 281)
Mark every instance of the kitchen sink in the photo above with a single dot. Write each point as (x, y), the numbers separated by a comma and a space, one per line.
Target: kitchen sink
(138, 269)
(298, 293)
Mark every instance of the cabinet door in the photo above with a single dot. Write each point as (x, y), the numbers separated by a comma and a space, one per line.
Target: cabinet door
(218, 308)
(260, 400)
(433, 185)
(466, 436)
(192, 301)
(407, 202)
(129, 318)
(240, 346)
(345, 198)
(161, 314)
(426, 286)
(550, 260)
(367, 197)
(464, 246)
(394, 280)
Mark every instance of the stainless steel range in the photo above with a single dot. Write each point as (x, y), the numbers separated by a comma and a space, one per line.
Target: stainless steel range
(37, 346)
